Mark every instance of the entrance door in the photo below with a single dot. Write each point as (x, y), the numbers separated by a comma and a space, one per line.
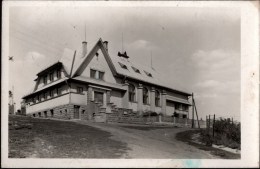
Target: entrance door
(98, 96)
(76, 112)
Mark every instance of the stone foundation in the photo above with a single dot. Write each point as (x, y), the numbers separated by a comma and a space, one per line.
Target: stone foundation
(62, 112)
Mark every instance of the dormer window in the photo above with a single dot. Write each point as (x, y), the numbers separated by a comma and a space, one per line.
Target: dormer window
(122, 65)
(136, 70)
(148, 74)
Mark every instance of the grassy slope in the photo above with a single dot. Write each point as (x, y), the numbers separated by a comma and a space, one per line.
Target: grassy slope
(61, 139)
(186, 137)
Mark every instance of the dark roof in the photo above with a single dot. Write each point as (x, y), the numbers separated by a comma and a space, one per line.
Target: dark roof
(49, 68)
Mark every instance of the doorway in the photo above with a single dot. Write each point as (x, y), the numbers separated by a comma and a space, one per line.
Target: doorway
(76, 112)
(98, 97)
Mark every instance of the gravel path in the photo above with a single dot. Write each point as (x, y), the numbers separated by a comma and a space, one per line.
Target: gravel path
(146, 142)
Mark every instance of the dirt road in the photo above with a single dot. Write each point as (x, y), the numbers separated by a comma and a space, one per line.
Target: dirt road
(151, 142)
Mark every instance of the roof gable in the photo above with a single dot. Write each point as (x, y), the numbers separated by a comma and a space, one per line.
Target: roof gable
(86, 60)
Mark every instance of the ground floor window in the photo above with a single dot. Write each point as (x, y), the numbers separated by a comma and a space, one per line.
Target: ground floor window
(98, 97)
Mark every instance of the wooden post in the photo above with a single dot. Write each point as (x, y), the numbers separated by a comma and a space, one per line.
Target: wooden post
(232, 120)
(196, 113)
(192, 122)
(213, 125)
(209, 124)
(206, 122)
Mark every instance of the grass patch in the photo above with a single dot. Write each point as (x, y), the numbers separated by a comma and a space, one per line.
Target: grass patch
(186, 137)
(60, 139)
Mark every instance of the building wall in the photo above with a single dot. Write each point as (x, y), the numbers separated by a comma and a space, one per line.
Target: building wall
(64, 99)
(133, 106)
(99, 63)
(116, 98)
(170, 108)
(65, 111)
(80, 99)
(176, 95)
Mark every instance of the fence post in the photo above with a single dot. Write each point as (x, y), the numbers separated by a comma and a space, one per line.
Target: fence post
(209, 125)
(213, 125)
(207, 122)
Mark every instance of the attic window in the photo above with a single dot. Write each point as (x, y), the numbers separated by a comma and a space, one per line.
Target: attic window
(136, 70)
(148, 74)
(122, 65)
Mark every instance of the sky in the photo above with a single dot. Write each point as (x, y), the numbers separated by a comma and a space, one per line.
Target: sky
(196, 49)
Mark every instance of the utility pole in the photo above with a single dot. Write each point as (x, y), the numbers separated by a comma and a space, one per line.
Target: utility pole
(192, 122)
(196, 112)
(213, 125)
(209, 124)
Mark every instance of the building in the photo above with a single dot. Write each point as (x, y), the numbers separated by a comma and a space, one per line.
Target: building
(83, 80)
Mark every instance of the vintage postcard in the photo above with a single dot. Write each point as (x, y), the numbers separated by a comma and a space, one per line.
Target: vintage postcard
(130, 84)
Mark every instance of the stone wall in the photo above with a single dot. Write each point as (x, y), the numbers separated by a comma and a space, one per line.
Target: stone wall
(128, 116)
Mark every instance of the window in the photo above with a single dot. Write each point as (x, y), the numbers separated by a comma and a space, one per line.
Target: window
(148, 74)
(131, 90)
(58, 91)
(97, 74)
(80, 90)
(51, 77)
(101, 75)
(51, 93)
(145, 95)
(122, 65)
(157, 98)
(45, 79)
(136, 70)
(92, 73)
(45, 95)
(58, 74)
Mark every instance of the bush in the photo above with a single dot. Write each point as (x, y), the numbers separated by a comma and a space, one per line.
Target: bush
(149, 113)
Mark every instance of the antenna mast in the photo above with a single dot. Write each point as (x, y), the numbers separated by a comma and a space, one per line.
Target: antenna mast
(85, 33)
(122, 42)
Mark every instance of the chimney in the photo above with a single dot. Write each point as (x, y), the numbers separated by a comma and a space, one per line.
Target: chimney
(106, 45)
(84, 48)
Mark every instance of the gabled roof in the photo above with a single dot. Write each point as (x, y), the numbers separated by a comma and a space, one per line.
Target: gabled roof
(82, 62)
(147, 74)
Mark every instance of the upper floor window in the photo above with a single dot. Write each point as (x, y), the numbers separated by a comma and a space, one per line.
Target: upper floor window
(92, 73)
(58, 74)
(145, 95)
(58, 90)
(97, 74)
(45, 79)
(131, 93)
(45, 95)
(51, 77)
(101, 75)
(157, 98)
(80, 90)
(51, 93)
